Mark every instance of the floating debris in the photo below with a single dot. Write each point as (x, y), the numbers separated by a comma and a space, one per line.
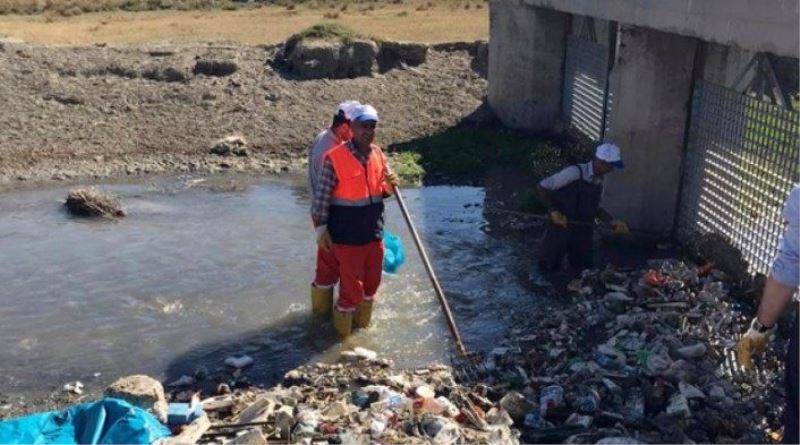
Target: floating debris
(74, 387)
(239, 362)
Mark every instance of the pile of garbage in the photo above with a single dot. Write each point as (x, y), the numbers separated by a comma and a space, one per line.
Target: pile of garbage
(361, 399)
(637, 356)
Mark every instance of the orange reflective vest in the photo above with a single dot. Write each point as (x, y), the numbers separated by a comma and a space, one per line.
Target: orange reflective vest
(356, 211)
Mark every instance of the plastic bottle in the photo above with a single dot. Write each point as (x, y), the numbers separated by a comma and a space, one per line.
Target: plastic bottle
(589, 402)
(534, 420)
(448, 407)
(360, 398)
(377, 425)
(551, 397)
(634, 404)
(603, 360)
(428, 405)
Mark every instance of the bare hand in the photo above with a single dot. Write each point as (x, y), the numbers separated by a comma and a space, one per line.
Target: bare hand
(324, 240)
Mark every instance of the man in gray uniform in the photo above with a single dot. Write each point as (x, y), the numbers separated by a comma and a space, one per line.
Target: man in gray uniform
(572, 197)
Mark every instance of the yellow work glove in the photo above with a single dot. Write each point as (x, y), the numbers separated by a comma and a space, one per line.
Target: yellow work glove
(390, 181)
(324, 240)
(619, 227)
(558, 218)
(392, 178)
(752, 343)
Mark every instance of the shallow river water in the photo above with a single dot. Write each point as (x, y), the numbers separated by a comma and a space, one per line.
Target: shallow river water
(203, 268)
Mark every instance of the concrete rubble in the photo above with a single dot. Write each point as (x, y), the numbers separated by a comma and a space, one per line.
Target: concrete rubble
(142, 391)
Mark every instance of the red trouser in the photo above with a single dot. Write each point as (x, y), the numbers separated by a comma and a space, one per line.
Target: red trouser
(327, 273)
(360, 270)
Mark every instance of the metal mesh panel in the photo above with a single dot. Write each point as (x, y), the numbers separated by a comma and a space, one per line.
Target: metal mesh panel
(585, 77)
(741, 161)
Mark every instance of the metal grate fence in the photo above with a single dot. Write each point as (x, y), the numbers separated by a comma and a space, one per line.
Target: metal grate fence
(585, 78)
(741, 161)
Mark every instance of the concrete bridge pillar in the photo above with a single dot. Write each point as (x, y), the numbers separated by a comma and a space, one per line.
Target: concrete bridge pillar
(526, 53)
(650, 92)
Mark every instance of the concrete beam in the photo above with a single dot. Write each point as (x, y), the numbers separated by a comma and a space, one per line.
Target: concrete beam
(724, 64)
(650, 87)
(601, 28)
(762, 26)
(526, 52)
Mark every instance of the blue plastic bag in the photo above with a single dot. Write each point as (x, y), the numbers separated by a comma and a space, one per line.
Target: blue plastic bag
(393, 253)
(108, 421)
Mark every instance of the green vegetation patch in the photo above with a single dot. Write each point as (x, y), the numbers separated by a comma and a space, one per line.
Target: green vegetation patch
(322, 31)
(328, 31)
(465, 154)
(408, 167)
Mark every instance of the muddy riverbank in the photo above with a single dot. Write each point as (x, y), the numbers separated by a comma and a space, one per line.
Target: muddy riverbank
(102, 111)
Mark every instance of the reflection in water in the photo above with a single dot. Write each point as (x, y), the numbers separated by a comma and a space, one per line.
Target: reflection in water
(200, 270)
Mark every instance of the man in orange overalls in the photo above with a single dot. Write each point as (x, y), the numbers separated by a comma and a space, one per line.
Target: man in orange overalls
(327, 270)
(348, 214)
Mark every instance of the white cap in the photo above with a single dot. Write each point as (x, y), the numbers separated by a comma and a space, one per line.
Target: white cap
(365, 113)
(610, 153)
(348, 107)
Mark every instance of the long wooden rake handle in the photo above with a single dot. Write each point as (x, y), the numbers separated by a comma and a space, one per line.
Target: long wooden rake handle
(431, 274)
(547, 218)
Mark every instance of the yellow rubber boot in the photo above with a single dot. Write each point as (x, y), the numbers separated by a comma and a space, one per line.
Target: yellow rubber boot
(343, 323)
(321, 300)
(363, 315)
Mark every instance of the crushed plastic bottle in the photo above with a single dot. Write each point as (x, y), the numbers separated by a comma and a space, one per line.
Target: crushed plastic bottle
(377, 425)
(534, 420)
(589, 402)
(634, 405)
(516, 405)
(359, 398)
(551, 397)
(449, 408)
(603, 360)
(679, 406)
(576, 419)
(428, 405)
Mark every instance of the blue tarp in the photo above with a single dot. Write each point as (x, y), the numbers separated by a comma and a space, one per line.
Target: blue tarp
(105, 422)
(393, 254)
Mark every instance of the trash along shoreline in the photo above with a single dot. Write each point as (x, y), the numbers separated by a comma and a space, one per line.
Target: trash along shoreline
(632, 356)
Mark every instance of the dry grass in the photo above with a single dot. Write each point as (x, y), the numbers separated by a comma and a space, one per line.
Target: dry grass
(415, 20)
(76, 7)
